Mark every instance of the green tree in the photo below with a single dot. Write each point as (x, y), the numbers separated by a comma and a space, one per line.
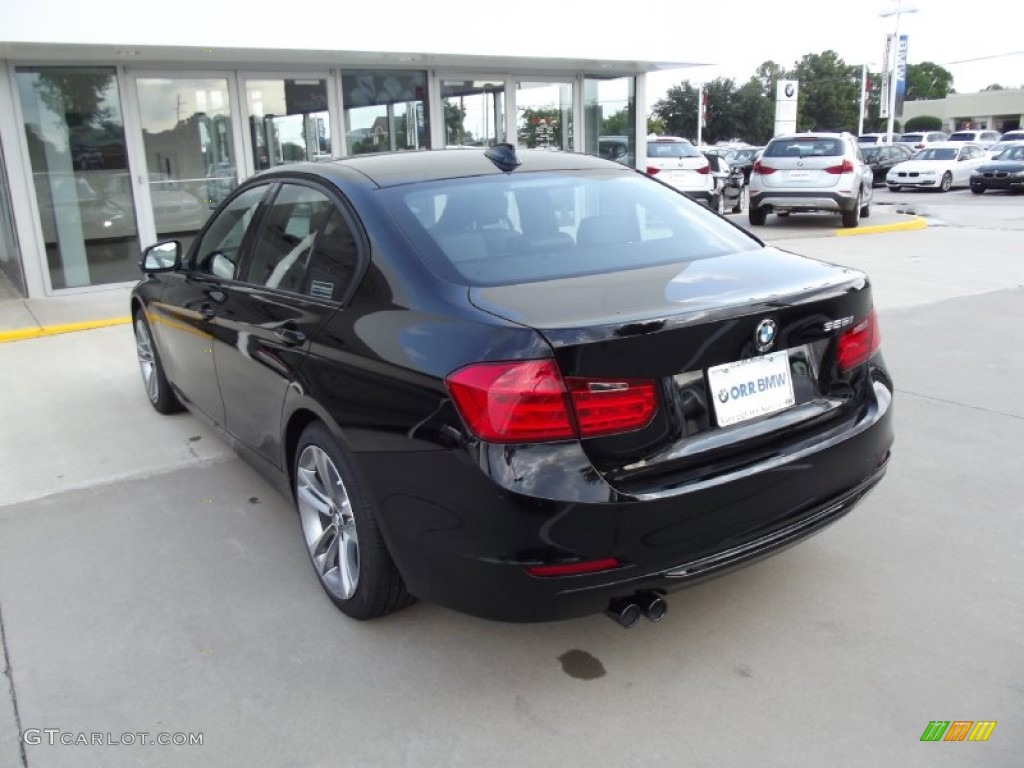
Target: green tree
(829, 93)
(540, 128)
(754, 112)
(655, 125)
(767, 74)
(678, 110)
(928, 80)
(993, 87)
(720, 110)
(455, 131)
(924, 123)
(616, 124)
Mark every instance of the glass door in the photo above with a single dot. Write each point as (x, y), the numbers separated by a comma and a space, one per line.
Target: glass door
(474, 112)
(289, 120)
(544, 113)
(188, 133)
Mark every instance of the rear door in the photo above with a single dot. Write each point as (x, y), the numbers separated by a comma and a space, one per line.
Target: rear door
(300, 264)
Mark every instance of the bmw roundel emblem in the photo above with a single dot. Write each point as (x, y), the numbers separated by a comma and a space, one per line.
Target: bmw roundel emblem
(764, 336)
(790, 90)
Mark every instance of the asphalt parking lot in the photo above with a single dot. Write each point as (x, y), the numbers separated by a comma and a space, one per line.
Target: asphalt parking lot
(151, 582)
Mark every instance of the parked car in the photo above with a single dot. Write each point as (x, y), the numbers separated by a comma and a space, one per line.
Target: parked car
(743, 158)
(984, 139)
(922, 140)
(939, 166)
(729, 186)
(1002, 145)
(524, 420)
(1005, 172)
(679, 164)
(804, 172)
(881, 157)
(1012, 136)
(873, 138)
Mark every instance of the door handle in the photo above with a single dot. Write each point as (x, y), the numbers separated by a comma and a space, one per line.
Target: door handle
(290, 336)
(207, 312)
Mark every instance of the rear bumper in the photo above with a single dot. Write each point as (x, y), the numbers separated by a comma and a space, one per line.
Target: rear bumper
(803, 200)
(462, 537)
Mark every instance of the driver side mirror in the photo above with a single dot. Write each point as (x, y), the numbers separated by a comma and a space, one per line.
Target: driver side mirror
(162, 257)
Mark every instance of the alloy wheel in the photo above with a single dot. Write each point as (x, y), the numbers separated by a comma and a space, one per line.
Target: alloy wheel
(328, 524)
(147, 359)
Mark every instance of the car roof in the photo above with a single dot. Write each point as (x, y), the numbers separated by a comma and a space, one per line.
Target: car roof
(953, 145)
(668, 138)
(388, 169)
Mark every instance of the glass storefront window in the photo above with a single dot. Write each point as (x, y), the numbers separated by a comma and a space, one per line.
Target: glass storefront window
(190, 152)
(474, 112)
(609, 108)
(76, 144)
(288, 121)
(545, 115)
(12, 279)
(385, 110)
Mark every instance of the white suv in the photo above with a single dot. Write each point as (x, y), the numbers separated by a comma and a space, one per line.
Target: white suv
(681, 165)
(984, 138)
(811, 172)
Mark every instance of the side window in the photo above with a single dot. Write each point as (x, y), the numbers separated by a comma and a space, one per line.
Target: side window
(334, 260)
(289, 232)
(218, 251)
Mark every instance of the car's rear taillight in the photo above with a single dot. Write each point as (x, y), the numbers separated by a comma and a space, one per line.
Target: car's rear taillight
(651, 170)
(705, 169)
(844, 167)
(528, 401)
(762, 169)
(858, 343)
(919, 146)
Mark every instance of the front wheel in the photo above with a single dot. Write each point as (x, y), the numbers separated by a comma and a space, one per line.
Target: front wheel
(851, 218)
(339, 527)
(720, 204)
(947, 182)
(158, 390)
(978, 190)
(894, 188)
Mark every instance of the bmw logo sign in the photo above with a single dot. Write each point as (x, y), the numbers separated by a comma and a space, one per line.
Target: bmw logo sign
(764, 336)
(789, 90)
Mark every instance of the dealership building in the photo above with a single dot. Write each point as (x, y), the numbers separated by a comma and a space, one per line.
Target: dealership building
(123, 125)
(999, 110)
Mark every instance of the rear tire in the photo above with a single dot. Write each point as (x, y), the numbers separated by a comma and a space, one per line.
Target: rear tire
(738, 208)
(865, 211)
(851, 218)
(158, 390)
(756, 216)
(720, 204)
(947, 182)
(339, 528)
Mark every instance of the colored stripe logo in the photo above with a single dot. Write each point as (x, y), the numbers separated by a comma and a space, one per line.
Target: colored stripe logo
(958, 730)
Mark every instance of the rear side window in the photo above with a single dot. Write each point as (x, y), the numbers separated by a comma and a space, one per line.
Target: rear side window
(804, 147)
(498, 230)
(671, 149)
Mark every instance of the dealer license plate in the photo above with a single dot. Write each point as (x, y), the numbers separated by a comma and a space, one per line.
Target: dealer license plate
(748, 389)
(799, 175)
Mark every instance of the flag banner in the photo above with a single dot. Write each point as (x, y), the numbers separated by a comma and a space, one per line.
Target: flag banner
(901, 75)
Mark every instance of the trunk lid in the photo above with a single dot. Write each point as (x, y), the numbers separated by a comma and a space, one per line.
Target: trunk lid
(693, 328)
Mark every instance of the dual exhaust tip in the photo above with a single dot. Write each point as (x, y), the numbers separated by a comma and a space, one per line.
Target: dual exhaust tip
(626, 611)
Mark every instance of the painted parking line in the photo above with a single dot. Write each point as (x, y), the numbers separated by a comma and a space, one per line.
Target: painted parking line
(912, 222)
(22, 334)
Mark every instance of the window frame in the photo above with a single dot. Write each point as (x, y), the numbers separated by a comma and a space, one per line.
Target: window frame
(246, 242)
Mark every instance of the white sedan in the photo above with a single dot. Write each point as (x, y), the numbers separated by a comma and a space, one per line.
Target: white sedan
(939, 166)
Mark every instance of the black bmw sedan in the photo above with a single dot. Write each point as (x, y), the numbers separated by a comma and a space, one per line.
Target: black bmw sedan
(522, 384)
(1004, 172)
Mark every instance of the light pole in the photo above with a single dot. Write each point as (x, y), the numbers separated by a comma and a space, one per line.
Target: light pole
(898, 11)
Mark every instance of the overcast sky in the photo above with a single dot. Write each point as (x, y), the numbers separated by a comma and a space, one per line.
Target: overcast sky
(943, 31)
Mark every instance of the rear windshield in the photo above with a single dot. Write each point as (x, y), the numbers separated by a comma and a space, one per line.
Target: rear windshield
(912, 138)
(963, 136)
(870, 153)
(1013, 136)
(671, 149)
(937, 153)
(500, 230)
(802, 147)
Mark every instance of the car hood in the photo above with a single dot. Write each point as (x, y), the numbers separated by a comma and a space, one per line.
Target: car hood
(1010, 166)
(639, 301)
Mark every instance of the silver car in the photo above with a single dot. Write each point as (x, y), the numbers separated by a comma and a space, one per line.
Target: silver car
(804, 172)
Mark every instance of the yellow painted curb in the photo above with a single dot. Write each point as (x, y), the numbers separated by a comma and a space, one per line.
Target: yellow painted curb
(912, 222)
(20, 334)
